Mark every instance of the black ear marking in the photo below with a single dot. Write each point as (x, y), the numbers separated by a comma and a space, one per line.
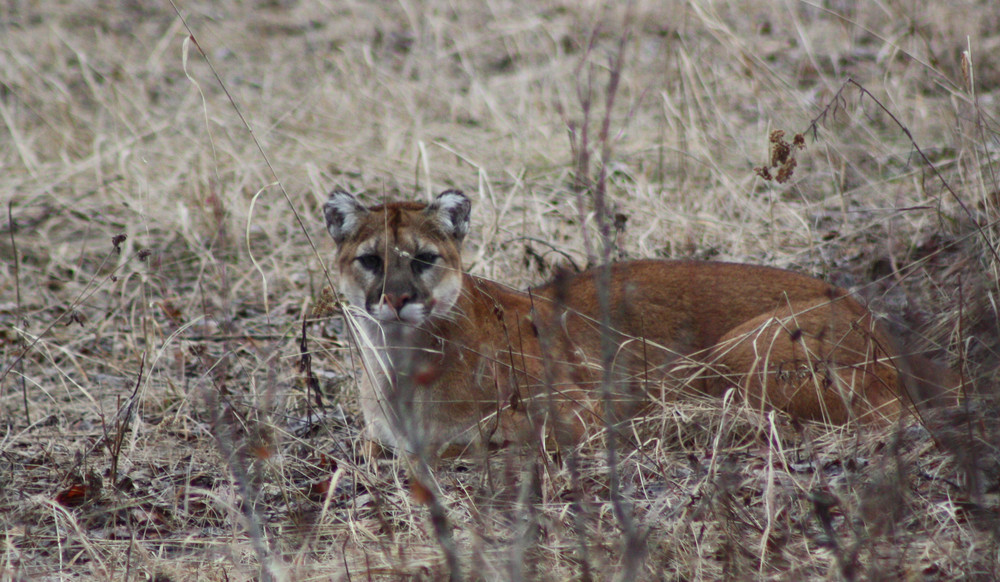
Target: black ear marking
(452, 208)
(343, 213)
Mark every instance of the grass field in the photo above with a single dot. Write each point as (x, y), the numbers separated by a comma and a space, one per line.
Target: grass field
(162, 264)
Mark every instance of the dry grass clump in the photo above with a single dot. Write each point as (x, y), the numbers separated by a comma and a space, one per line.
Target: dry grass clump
(158, 423)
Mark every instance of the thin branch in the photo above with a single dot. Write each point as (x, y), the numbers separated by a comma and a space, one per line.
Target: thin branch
(17, 315)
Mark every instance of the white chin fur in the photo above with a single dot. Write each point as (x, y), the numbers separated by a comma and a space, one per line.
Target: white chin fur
(413, 313)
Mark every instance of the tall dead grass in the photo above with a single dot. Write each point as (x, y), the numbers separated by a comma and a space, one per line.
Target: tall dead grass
(155, 420)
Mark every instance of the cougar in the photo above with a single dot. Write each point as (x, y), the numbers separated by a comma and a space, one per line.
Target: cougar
(454, 359)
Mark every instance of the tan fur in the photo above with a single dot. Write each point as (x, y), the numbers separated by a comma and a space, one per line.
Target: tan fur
(491, 364)
(792, 341)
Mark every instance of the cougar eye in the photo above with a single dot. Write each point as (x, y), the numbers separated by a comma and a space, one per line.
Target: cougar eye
(423, 261)
(371, 263)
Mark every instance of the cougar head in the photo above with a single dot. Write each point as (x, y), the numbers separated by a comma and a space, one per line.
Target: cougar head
(399, 261)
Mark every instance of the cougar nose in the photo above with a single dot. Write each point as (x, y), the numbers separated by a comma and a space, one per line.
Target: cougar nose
(396, 301)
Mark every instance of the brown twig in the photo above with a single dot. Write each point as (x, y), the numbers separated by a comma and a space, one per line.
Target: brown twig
(305, 367)
(122, 421)
(17, 316)
(634, 540)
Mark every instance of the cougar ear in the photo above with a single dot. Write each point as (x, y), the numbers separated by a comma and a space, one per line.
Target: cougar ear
(451, 208)
(343, 214)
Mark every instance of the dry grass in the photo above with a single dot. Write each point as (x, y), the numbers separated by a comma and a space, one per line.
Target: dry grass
(156, 422)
